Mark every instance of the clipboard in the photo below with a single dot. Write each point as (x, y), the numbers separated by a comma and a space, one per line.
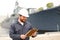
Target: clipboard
(30, 32)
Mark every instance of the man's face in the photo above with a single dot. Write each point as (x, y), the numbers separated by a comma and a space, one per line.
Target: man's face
(22, 18)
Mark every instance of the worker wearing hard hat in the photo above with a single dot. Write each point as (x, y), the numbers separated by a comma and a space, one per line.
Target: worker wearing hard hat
(21, 27)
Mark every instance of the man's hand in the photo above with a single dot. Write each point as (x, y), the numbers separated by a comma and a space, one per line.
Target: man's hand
(22, 36)
(34, 34)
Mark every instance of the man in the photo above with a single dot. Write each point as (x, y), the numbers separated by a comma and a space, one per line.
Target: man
(21, 27)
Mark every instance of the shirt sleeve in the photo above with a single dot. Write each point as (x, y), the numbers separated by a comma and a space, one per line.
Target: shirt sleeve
(12, 33)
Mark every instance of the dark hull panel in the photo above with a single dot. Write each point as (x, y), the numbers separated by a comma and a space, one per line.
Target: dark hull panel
(46, 20)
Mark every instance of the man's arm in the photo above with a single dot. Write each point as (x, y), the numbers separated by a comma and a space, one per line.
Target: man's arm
(12, 33)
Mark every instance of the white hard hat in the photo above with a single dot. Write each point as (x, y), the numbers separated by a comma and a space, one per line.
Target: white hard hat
(24, 12)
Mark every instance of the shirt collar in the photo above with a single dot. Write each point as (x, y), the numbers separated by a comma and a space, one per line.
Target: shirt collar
(18, 21)
(21, 23)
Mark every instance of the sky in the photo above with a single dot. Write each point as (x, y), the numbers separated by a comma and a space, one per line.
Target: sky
(7, 6)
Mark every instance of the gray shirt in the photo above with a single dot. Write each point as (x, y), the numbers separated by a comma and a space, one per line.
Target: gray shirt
(17, 29)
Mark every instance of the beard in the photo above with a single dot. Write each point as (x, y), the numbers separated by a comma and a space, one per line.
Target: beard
(23, 21)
